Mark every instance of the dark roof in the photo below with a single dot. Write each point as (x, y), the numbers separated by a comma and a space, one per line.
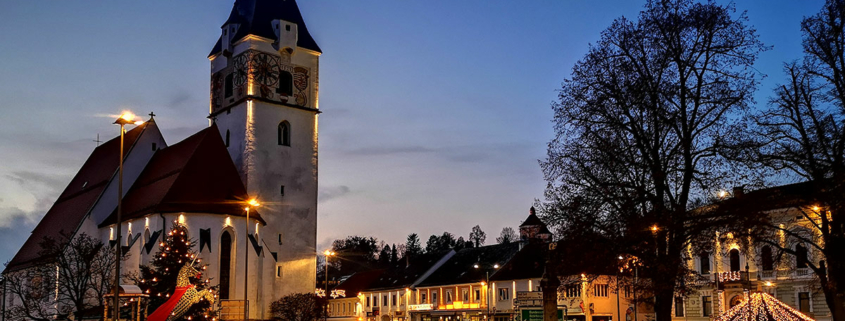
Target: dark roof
(195, 175)
(83, 191)
(256, 17)
(460, 267)
(359, 282)
(528, 263)
(404, 274)
(790, 195)
(532, 220)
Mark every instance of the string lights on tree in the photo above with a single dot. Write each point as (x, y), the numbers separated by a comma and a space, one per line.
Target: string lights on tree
(158, 279)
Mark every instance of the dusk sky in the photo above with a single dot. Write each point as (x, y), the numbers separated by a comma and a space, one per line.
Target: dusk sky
(435, 113)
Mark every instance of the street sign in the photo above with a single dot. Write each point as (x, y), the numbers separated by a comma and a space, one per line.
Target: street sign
(528, 299)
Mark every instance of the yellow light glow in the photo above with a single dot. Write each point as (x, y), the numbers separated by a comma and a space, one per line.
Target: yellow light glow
(228, 221)
(253, 202)
(723, 194)
(128, 116)
(816, 208)
(769, 283)
(654, 228)
(181, 218)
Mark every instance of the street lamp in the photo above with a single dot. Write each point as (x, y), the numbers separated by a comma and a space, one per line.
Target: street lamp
(327, 253)
(249, 204)
(126, 118)
(487, 269)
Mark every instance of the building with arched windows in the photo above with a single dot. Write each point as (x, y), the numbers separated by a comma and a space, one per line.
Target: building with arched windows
(781, 266)
(261, 143)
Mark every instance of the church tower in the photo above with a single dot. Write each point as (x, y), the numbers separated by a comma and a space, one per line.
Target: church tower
(264, 100)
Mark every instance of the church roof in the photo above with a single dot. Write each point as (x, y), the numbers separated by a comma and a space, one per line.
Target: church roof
(532, 220)
(76, 200)
(359, 282)
(195, 175)
(256, 18)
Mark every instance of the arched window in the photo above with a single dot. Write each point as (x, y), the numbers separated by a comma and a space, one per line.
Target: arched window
(284, 133)
(800, 256)
(704, 259)
(767, 259)
(227, 138)
(225, 264)
(734, 257)
(285, 84)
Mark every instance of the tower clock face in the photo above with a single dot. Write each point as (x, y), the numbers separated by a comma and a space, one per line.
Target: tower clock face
(240, 71)
(266, 69)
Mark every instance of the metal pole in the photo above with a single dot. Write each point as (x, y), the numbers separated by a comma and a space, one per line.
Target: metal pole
(487, 293)
(117, 248)
(246, 267)
(636, 279)
(618, 312)
(326, 306)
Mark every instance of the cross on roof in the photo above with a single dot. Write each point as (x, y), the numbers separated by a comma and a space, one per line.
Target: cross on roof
(98, 141)
(152, 114)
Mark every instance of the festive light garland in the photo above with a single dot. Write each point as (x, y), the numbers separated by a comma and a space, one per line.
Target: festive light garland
(762, 306)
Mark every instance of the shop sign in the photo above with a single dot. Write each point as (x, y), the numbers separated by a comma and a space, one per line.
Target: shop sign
(528, 299)
(537, 315)
(421, 307)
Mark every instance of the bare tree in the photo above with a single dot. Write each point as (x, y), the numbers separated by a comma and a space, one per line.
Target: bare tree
(639, 128)
(802, 134)
(507, 235)
(32, 296)
(477, 236)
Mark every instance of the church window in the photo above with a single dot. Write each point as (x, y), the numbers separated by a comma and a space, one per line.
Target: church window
(734, 258)
(284, 133)
(225, 263)
(280, 238)
(283, 190)
(278, 271)
(227, 87)
(154, 146)
(227, 138)
(285, 84)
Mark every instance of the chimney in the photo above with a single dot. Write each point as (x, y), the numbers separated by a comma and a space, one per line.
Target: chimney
(739, 191)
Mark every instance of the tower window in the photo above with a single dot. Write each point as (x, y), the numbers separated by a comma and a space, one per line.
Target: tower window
(227, 87)
(284, 134)
(227, 138)
(287, 27)
(285, 84)
(283, 190)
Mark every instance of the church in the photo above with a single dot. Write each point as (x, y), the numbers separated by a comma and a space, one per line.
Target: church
(261, 143)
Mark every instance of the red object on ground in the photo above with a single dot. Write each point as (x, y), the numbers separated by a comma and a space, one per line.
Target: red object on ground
(163, 311)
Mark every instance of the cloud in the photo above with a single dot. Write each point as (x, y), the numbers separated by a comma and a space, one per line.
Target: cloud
(12, 235)
(179, 98)
(29, 179)
(332, 192)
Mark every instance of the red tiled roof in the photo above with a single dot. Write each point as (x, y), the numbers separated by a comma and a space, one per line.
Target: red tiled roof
(195, 175)
(76, 200)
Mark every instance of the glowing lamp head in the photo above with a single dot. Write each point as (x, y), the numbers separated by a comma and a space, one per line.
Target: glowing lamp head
(253, 202)
(769, 283)
(475, 266)
(621, 258)
(496, 266)
(723, 194)
(329, 253)
(654, 228)
(816, 208)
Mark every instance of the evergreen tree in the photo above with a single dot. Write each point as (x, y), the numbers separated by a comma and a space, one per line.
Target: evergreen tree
(384, 256)
(394, 255)
(159, 278)
(413, 247)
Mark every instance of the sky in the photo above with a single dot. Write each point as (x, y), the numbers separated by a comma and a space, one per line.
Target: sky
(435, 113)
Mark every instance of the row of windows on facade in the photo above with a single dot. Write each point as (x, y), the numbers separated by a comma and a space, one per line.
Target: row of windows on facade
(283, 136)
(766, 259)
(343, 308)
(285, 87)
(707, 305)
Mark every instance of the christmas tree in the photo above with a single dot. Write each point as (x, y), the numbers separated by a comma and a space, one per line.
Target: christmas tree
(159, 278)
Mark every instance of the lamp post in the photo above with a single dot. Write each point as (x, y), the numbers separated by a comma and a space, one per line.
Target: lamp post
(487, 269)
(328, 254)
(125, 119)
(249, 204)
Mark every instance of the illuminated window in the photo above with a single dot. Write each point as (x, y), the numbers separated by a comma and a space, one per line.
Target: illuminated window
(465, 295)
(434, 298)
(448, 296)
(504, 294)
(601, 290)
(394, 300)
(422, 298)
(477, 295)
(368, 302)
(573, 291)
(284, 133)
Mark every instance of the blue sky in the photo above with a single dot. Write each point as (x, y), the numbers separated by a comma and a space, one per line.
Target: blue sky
(434, 112)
